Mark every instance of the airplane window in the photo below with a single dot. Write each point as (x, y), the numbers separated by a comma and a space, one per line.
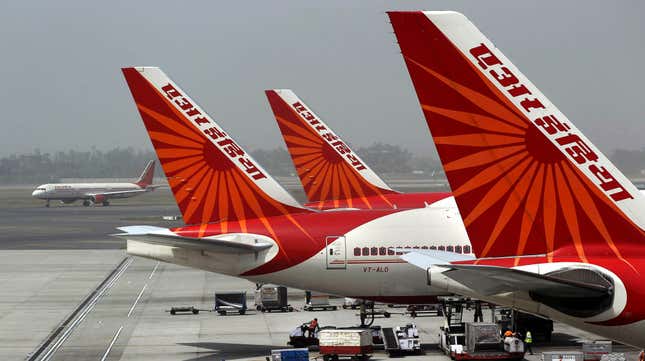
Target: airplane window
(466, 249)
(390, 252)
(458, 249)
(374, 251)
(433, 247)
(366, 251)
(415, 247)
(450, 249)
(382, 251)
(331, 251)
(424, 247)
(442, 248)
(357, 251)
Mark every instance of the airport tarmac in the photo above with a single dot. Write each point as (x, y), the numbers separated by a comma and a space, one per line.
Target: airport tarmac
(69, 292)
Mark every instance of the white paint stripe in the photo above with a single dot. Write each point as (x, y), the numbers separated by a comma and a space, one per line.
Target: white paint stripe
(116, 335)
(153, 270)
(137, 300)
(85, 312)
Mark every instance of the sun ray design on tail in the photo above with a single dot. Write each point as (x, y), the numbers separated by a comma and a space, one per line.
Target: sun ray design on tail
(318, 156)
(208, 187)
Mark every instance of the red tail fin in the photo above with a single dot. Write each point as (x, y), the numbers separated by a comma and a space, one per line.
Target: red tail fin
(211, 176)
(147, 175)
(328, 169)
(526, 181)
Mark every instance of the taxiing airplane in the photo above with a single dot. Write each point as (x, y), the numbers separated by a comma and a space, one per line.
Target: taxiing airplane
(331, 173)
(241, 222)
(558, 230)
(92, 193)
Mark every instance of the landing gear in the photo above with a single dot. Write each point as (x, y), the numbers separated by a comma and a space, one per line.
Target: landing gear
(87, 203)
(47, 204)
(105, 203)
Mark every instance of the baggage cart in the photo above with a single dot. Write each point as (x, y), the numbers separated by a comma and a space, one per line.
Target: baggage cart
(230, 302)
(318, 301)
(290, 354)
(594, 350)
(272, 298)
(351, 343)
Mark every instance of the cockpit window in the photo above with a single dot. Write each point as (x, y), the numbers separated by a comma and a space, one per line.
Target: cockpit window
(40, 189)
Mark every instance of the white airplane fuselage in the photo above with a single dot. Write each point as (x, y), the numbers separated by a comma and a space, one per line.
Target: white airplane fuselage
(76, 191)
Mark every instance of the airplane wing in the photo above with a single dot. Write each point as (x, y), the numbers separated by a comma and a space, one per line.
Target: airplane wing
(98, 197)
(164, 237)
(492, 280)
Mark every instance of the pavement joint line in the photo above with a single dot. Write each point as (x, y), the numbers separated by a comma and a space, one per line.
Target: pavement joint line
(55, 340)
(137, 300)
(107, 352)
(153, 271)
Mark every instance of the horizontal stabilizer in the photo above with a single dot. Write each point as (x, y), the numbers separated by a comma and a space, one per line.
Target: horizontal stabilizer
(491, 280)
(165, 237)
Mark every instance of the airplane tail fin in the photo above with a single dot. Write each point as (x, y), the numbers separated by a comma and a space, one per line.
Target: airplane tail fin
(328, 169)
(525, 179)
(211, 176)
(148, 174)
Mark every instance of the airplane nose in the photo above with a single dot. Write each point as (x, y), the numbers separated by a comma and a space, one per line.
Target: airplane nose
(36, 193)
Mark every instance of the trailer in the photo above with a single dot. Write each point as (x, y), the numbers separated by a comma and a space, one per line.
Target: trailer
(272, 298)
(401, 340)
(480, 341)
(290, 354)
(509, 319)
(230, 302)
(347, 343)
(318, 301)
(355, 303)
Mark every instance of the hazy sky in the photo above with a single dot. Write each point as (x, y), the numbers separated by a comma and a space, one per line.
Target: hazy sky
(62, 87)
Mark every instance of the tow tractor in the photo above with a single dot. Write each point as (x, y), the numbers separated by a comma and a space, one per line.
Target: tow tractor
(475, 340)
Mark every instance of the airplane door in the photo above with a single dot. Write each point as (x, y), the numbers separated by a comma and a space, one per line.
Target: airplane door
(336, 256)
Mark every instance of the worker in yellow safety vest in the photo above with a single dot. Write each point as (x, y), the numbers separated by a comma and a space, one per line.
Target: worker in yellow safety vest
(528, 340)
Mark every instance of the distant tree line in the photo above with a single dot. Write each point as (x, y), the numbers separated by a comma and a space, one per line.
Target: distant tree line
(39, 167)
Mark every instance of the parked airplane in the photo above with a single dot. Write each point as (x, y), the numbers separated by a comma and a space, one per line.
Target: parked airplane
(557, 228)
(331, 173)
(92, 193)
(241, 222)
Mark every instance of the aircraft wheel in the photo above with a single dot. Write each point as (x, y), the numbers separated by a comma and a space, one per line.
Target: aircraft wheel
(86, 203)
(106, 203)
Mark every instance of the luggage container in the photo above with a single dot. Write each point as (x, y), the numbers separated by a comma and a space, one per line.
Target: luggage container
(290, 354)
(345, 343)
(562, 356)
(401, 340)
(480, 341)
(272, 298)
(230, 301)
(593, 351)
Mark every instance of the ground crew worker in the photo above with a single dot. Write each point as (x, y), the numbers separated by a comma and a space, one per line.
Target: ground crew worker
(313, 326)
(479, 316)
(528, 340)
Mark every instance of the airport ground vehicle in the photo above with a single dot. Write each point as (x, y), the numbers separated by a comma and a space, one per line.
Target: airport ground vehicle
(479, 341)
(318, 301)
(352, 343)
(558, 230)
(401, 340)
(230, 302)
(509, 319)
(272, 298)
